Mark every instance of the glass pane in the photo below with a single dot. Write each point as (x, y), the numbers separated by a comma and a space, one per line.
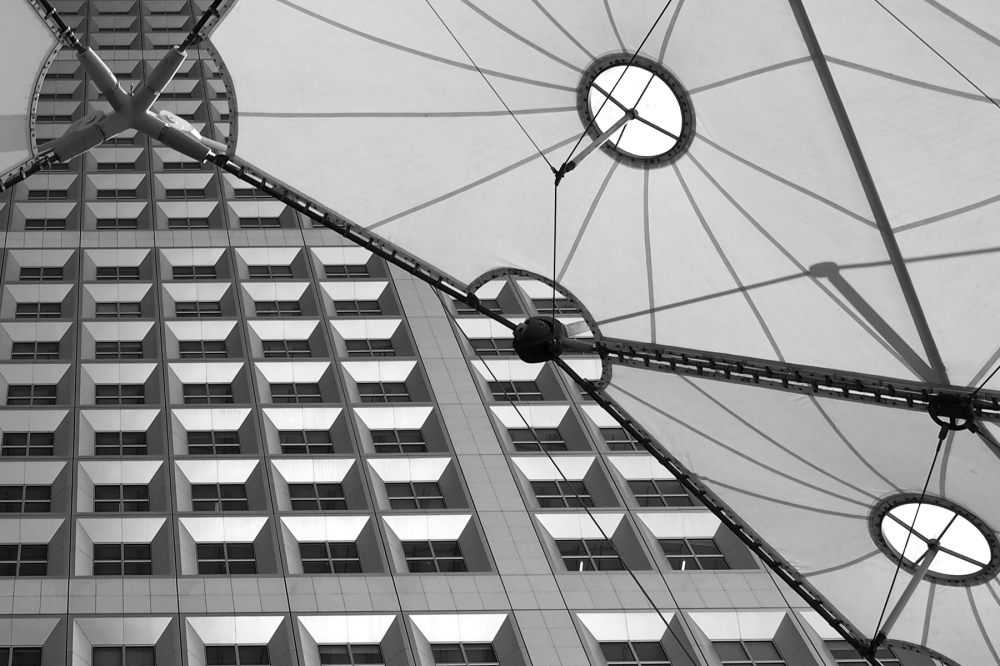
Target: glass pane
(730, 651)
(448, 653)
(106, 656)
(762, 650)
(616, 651)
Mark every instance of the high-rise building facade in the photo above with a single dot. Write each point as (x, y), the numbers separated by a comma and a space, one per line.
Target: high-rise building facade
(229, 438)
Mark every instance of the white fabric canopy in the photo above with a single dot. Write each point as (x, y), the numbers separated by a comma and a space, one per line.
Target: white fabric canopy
(764, 240)
(25, 44)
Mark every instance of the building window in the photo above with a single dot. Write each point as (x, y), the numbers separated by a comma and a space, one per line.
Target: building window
(118, 349)
(236, 655)
(119, 310)
(203, 349)
(515, 391)
(121, 499)
(493, 346)
(346, 272)
(563, 307)
(683, 554)
(213, 443)
(194, 272)
(21, 656)
(226, 558)
(208, 394)
(260, 223)
(364, 347)
(120, 444)
(34, 351)
(278, 272)
(41, 274)
(433, 556)
(351, 655)
(296, 393)
(383, 392)
(25, 499)
(48, 195)
(287, 349)
(305, 441)
(116, 166)
(117, 223)
(120, 394)
(619, 440)
(45, 224)
(317, 497)
(634, 653)
(415, 495)
(357, 308)
(845, 655)
(24, 559)
(278, 309)
(117, 272)
(535, 439)
(125, 655)
(491, 304)
(181, 166)
(188, 223)
(466, 654)
(31, 394)
(398, 441)
(660, 492)
(330, 557)
(748, 653)
(198, 309)
(561, 494)
(38, 311)
(20, 444)
(185, 193)
(123, 559)
(219, 497)
(589, 555)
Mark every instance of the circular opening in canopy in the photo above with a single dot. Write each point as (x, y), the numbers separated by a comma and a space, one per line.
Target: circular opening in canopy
(967, 550)
(664, 126)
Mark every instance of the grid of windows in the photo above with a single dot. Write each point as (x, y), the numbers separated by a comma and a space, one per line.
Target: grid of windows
(748, 653)
(25, 499)
(20, 656)
(398, 441)
(124, 655)
(466, 654)
(24, 559)
(219, 497)
(845, 655)
(367, 348)
(237, 655)
(317, 497)
(194, 273)
(433, 556)
(617, 439)
(330, 557)
(351, 655)
(634, 653)
(346, 271)
(31, 394)
(38, 311)
(213, 442)
(123, 559)
(358, 308)
(41, 274)
(561, 494)
(536, 439)
(34, 351)
(117, 273)
(383, 392)
(305, 441)
(683, 554)
(660, 492)
(226, 558)
(493, 346)
(589, 555)
(515, 391)
(415, 495)
(278, 308)
(123, 498)
(300, 393)
(20, 444)
(203, 349)
(120, 444)
(270, 272)
(208, 394)
(491, 304)
(120, 394)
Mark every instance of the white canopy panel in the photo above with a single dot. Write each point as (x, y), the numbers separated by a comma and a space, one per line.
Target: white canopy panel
(25, 44)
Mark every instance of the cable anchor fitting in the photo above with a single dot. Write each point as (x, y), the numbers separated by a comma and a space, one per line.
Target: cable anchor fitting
(952, 412)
